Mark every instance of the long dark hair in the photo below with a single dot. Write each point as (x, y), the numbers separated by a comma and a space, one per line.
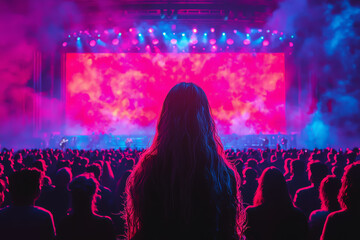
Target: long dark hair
(272, 190)
(184, 172)
(349, 194)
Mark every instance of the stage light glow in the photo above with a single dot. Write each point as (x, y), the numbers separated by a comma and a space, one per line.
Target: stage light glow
(212, 41)
(183, 34)
(194, 30)
(262, 37)
(247, 35)
(205, 34)
(212, 30)
(246, 41)
(69, 36)
(92, 43)
(164, 33)
(280, 38)
(223, 34)
(292, 36)
(193, 41)
(213, 48)
(139, 34)
(155, 41)
(151, 30)
(119, 34)
(230, 41)
(260, 30)
(266, 43)
(135, 41)
(267, 31)
(99, 35)
(235, 31)
(173, 41)
(78, 38)
(131, 30)
(64, 44)
(275, 31)
(291, 44)
(115, 41)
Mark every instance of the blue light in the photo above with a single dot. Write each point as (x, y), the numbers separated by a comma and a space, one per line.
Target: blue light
(205, 34)
(247, 35)
(69, 36)
(119, 34)
(223, 34)
(292, 36)
(78, 38)
(139, 34)
(99, 35)
(164, 33)
(262, 37)
(280, 38)
(183, 34)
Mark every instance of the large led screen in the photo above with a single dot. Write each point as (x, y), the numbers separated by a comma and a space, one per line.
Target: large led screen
(122, 93)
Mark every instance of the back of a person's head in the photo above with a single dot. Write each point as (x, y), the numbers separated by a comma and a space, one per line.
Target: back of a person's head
(272, 189)
(83, 189)
(2, 191)
(63, 177)
(329, 190)
(250, 174)
(349, 195)
(24, 186)
(252, 163)
(317, 171)
(297, 167)
(95, 169)
(40, 165)
(186, 153)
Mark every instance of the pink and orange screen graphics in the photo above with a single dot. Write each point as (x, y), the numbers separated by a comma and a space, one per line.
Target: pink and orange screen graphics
(122, 93)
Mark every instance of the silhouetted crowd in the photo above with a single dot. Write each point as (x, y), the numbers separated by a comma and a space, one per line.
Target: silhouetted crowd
(78, 194)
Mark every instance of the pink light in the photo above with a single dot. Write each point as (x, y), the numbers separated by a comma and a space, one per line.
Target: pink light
(130, 29)
(173, 41)
(212, 41)
(291, 44)
(212, 30)
(213, 48)
(275, 31)
(92, 43)
(260, 30)
(147, 47)
(235, 31)
(64, 44)
(155, 41)
(266, 43)
(115, 41)
(246, 41)
(151, 30)
(194, 30)
(134, 41)
(230, 41)
(193, 41)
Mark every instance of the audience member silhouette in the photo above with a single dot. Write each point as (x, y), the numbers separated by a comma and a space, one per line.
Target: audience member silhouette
(344, 224)
(273, 216)
(249, 187)
(298, 177)
(22, 219)
(2, 192)
(183, 187)
(105, 203)
(307, 198)
(329, 190)
(58, 200)
(83, 223)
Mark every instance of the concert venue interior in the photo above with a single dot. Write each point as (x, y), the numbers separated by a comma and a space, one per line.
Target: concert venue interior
(180, 119)
(101, 69)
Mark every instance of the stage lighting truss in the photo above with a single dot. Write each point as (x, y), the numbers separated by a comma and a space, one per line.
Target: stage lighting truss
(178, 38)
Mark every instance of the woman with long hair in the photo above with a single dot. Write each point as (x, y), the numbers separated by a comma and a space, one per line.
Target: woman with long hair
(183, 187)
(344, 224)
(273, 215)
